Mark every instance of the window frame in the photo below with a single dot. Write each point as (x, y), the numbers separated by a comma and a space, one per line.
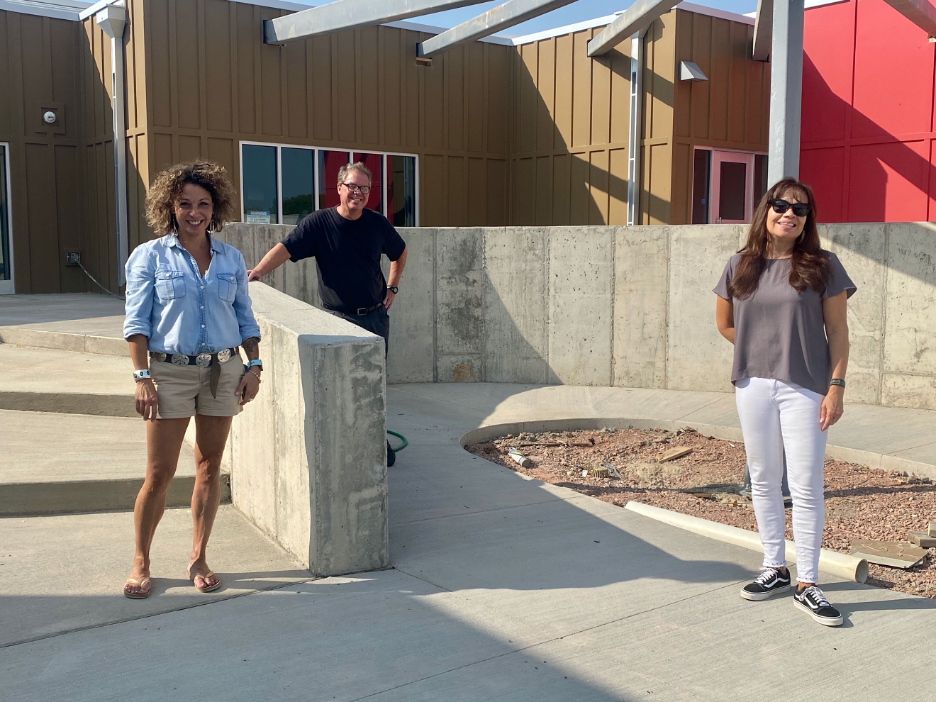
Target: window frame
(750, 179)
(316, 176)
(7, 287)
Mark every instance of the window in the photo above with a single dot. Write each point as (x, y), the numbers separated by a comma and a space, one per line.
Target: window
(283, 184)
(401, 191)
(258, 175)
(6, 260)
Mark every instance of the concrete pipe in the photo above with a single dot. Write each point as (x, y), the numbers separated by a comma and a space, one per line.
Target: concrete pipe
(831, 562)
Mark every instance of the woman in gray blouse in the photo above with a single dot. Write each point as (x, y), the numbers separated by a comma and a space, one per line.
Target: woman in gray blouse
(782, 303)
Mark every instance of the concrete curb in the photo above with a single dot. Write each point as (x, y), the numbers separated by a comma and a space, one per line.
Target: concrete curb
(831, 562)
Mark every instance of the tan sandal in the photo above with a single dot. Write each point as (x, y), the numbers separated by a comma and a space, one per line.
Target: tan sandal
(140, 594)
(204, 577)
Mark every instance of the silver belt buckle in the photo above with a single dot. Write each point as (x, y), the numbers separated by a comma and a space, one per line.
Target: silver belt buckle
(203, 360)
(179, 359)
(224, 355)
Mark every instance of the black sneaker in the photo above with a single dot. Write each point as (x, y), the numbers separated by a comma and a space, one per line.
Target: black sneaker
(391, 455)
(770, 582)
(814, 602)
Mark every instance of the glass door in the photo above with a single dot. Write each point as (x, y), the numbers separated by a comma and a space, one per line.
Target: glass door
(732, 187)
(6, 245)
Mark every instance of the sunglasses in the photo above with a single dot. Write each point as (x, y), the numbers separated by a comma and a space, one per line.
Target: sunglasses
(800, 209)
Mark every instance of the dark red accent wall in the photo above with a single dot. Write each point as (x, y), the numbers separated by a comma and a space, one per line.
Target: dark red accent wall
(868, 131)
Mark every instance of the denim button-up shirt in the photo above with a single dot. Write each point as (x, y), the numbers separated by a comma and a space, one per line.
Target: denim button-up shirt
(178, 310)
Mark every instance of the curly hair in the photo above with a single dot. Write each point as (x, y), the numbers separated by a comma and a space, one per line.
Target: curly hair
(809, 266)
(167, 189)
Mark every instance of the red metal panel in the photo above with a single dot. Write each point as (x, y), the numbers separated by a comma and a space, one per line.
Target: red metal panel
(822, 170)
(893, 73)
(828, 44)
(931, 212)
(889, 182)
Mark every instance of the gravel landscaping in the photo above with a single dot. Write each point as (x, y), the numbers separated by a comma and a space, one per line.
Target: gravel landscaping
(861, 503)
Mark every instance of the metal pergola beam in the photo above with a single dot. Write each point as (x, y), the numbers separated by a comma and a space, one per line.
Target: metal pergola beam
(763, 28)
(632, 20)
(921, 12)
(786, 91)
(351, 14)
(494, 20)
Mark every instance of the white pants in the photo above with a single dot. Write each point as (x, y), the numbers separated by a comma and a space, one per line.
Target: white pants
(777, 416)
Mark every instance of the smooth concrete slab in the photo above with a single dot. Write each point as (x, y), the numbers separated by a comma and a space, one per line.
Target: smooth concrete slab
(66, 573)
(53, 380)
(543, 595)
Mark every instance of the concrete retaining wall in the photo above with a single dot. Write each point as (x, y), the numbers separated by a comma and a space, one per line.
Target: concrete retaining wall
(308, 455)
(627, 306)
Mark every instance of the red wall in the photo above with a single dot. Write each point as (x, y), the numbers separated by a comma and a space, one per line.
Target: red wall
(868, 131)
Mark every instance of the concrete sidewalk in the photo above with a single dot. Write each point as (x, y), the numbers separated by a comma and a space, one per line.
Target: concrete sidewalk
(504, 588)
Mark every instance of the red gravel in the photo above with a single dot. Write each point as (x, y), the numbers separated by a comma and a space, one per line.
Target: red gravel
(861, 503)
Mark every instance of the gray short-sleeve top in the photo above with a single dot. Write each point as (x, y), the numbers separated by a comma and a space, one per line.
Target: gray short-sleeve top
(780, 333)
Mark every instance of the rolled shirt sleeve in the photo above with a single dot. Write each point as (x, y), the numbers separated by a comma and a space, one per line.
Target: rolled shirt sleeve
(242, 306)
(141, 283)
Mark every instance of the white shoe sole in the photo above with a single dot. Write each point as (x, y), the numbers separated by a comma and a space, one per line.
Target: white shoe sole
(825, 621)
(759, 596)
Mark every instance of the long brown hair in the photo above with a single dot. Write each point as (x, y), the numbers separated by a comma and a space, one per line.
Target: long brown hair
(809, 267)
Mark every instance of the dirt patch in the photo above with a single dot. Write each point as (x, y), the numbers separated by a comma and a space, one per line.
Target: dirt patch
(861, 503)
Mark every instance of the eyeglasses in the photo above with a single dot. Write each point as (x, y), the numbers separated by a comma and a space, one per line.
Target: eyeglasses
(800, 209)
(363, 189)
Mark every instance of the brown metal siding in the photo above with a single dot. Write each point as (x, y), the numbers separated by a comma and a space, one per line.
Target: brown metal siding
(656, 156)
(357, 90)
(570, 123)
(39, 57)
(728, 111)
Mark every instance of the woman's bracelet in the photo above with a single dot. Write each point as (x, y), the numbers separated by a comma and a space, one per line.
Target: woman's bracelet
(837, 381)
(255, 375)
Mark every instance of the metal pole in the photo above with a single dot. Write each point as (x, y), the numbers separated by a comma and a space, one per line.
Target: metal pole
(786, 90)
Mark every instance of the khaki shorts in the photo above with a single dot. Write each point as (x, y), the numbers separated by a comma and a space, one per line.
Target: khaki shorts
(183, 391)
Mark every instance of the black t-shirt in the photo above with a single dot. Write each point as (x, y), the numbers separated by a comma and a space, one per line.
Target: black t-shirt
(347, 255)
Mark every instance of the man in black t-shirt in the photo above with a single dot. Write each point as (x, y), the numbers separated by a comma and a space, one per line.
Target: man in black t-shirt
(347, 242)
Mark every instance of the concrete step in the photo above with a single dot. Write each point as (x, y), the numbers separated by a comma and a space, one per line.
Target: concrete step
(52, 380)
(86, 322)
(55, 463)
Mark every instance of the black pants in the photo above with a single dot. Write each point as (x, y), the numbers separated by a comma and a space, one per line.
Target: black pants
(376, 321)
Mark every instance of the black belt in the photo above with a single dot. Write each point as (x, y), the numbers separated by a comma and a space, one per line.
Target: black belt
(202, 360)
(358, 311)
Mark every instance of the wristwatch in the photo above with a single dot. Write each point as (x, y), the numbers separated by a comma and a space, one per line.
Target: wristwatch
(139, 375)
(254, 362)
(393, 288)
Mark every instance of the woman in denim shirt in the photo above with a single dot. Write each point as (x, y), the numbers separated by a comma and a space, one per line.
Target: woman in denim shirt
(187, 312)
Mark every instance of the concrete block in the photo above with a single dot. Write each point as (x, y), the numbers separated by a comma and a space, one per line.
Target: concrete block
(641, 263)
(581, 268)
(698, 357)
(922, 539)
(515, 341)
(309, 452)
(900, 390)
(412, 317)
(459, 294)
(862, 250)
(910, 312)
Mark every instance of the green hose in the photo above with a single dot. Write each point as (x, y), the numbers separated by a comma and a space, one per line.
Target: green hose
(399, 436)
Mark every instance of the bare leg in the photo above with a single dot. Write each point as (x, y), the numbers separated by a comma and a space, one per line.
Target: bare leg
(163, 443)
(210, 438)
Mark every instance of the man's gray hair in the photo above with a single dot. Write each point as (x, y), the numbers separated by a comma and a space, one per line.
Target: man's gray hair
(348, 167)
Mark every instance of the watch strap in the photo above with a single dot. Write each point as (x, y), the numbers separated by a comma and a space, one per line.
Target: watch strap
(255, 362)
